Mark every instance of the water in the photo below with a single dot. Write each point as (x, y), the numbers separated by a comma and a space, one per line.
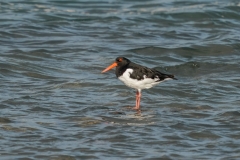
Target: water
(55, 103)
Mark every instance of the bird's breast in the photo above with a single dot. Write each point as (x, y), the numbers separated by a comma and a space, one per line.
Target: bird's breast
(135, 82)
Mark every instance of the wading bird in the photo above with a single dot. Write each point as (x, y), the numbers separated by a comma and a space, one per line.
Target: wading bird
(136, 76)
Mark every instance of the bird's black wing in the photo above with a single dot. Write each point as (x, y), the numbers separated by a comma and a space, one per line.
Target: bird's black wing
(162, 76)
(141, 72)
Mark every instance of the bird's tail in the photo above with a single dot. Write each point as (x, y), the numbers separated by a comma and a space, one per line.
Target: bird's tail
(172, 76)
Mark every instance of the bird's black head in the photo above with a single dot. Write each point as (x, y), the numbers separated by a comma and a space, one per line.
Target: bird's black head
(122, 61)
(119, 62)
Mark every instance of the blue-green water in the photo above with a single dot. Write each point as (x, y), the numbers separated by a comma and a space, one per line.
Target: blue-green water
(56, 104)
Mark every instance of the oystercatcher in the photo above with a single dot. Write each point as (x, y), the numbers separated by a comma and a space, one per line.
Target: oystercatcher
(137, 76)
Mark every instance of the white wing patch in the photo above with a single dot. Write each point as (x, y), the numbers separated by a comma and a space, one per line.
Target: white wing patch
(145, 83)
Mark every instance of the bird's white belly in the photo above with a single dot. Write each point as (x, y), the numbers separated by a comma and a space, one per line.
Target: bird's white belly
(145, 83)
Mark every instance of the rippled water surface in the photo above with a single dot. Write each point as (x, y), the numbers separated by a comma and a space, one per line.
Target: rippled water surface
(56, 104)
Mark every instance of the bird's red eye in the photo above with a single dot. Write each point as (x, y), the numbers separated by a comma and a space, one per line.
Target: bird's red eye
(120, 60)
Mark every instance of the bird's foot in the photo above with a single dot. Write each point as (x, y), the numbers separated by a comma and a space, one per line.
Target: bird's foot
(136, 108)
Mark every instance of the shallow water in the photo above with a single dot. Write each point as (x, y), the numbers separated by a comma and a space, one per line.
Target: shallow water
(56, 104)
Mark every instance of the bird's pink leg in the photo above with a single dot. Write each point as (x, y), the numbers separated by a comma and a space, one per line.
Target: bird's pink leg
(138, 98)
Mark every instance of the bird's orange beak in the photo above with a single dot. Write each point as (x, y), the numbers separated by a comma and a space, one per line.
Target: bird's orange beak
(110, 67)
